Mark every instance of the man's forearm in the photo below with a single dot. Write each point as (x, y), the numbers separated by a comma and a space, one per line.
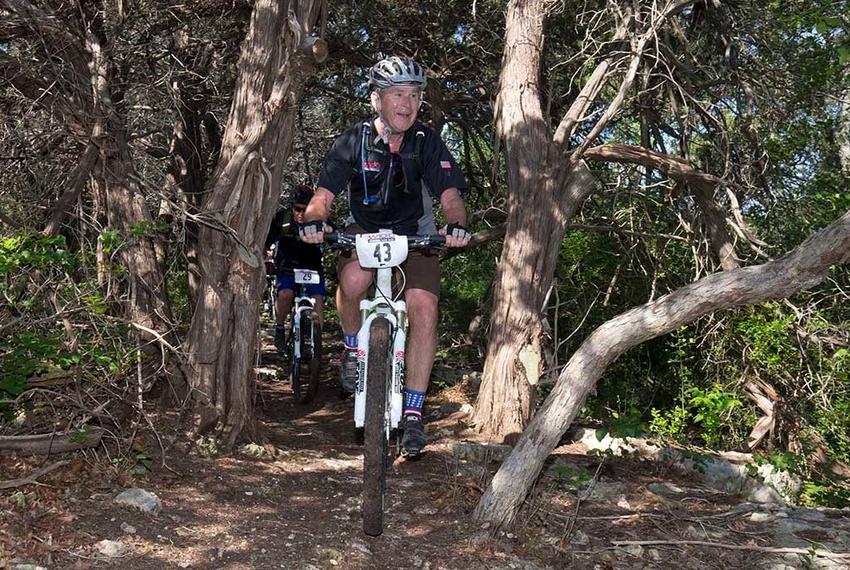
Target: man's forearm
(319, 207)
(453, 208)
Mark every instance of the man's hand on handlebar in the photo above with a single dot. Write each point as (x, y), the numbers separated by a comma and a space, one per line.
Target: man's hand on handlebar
(313, 232)
(457, 235)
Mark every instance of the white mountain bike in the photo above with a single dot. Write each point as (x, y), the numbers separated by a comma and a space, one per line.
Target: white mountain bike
(379, 392)
(305, 339)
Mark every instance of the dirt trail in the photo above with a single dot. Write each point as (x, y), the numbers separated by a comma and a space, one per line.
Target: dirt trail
(295, 504)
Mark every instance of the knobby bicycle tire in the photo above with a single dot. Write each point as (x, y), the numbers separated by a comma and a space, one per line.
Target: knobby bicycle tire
(295, 376)
(309, 365)
(315, 366)
(271, 299)
(375, 451)
(295, 363)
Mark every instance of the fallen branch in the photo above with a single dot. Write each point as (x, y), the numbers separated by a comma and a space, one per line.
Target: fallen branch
(47, 443)
(32, 479)
(773, 550)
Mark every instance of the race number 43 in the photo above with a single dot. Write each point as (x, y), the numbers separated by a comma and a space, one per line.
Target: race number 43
(381, 250)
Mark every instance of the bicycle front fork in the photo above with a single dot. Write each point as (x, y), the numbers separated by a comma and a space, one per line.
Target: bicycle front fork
(397, 355)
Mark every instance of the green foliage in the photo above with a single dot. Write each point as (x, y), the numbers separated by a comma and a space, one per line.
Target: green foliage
(628, 424)
(767, 338)
(712, 410)
(43, 294)
(110, 240)
(824, 493)
(571, 478)
(22, 357)
(670, 424)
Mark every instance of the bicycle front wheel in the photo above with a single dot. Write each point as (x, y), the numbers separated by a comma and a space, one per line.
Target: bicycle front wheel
(271, 300)
(315, 365)
(375, 452)
(309, 365)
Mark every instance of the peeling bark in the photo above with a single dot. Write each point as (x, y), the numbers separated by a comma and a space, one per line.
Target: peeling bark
(544, 192)
(547, 184)
(277, 56)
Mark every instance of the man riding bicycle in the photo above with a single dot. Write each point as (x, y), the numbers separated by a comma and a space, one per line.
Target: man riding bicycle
(292, 253)
(392, 166)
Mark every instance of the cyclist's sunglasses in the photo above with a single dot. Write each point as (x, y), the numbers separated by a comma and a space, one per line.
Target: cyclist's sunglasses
(299, 208)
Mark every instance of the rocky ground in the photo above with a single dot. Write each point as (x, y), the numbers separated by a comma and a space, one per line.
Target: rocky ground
(294, 503)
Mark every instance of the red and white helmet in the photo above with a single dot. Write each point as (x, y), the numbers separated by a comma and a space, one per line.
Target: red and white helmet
(394, 71)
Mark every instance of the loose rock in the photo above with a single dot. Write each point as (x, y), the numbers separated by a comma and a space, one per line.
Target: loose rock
(111, 548)
(140, 499)
(481, 452)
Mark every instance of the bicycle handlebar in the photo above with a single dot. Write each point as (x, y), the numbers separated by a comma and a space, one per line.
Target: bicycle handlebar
(346, 241)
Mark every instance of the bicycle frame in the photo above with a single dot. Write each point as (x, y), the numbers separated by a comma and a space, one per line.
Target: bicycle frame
(394, 311)
(301, 303)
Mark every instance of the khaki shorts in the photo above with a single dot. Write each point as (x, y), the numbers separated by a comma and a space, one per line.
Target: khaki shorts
(422, 270)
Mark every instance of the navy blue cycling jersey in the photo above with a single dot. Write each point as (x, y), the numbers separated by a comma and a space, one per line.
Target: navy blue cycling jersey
(385, 188)
(292, 253)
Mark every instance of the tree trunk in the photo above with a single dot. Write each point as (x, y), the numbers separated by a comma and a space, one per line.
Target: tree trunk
(74, 185)
(149, 310)
(544, 191)
(185, 178)
(147, 306)
(844, 130)
(803, 267)
(277, 56)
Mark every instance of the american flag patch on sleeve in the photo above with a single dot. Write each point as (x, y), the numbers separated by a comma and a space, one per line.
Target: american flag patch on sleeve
(446, 164)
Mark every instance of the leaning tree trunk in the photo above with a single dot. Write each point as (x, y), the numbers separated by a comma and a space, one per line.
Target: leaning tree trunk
(544, 191)
(277, 56)
(803, 267)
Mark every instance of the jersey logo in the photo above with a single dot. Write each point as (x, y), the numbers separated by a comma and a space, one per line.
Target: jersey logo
(446, 165)
(371, 166)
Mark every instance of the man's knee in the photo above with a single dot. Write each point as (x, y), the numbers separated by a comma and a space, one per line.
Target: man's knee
(285, 295)
(421, 308)
(354, 281)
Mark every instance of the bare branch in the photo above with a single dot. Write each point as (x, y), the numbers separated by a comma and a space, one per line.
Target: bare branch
(74, 187)
(629, 78)
(31, 479)
(675, 168)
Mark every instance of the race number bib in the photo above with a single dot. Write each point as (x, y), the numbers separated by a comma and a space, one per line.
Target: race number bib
(381, 250)
(306, 276)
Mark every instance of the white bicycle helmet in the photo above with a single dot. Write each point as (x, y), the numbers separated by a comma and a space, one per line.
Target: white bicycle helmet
(394, 71)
